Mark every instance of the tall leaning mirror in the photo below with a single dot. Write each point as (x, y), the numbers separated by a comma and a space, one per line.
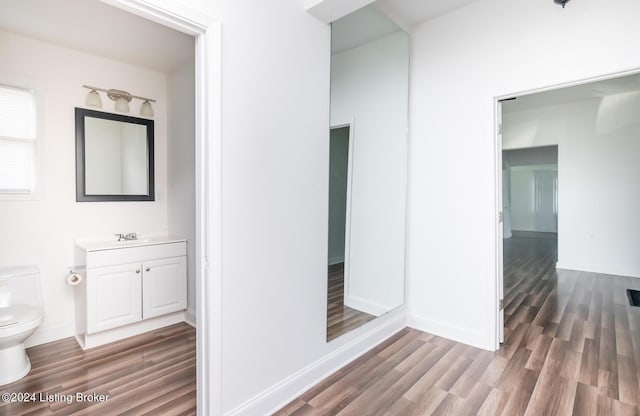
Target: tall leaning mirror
(368, 169)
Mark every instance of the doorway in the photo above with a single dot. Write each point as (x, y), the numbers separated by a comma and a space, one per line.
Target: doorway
(194, 103)
(590, 123)
(530, 225)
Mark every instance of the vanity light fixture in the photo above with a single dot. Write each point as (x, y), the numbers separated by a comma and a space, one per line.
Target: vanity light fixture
(561, 2)
(122, 99)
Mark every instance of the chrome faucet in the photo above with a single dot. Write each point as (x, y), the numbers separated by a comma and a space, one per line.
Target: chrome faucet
(127, 237)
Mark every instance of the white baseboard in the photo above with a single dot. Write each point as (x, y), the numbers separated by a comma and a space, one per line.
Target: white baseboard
(87, 341)
(278, 396)
(366, 306)
(190, 317)
(452, 332)
(55, 333)
(50, 334)
(615, 271)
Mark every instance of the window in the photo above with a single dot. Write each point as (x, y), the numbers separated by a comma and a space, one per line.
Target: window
(17, 140)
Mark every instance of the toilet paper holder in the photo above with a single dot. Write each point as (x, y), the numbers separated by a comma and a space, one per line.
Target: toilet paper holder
(74, 277)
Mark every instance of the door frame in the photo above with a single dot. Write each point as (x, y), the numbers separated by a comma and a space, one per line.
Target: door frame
(347, 220)
(497, 119)
(208, 175)
(499, 224)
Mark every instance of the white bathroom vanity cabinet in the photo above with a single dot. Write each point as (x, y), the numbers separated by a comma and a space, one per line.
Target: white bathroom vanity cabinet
(129, 287)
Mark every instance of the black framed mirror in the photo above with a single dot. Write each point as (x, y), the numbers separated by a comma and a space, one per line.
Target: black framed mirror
(114, 157)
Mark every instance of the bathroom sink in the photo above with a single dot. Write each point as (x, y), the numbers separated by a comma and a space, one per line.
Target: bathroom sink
(110, 244)
(131, 242)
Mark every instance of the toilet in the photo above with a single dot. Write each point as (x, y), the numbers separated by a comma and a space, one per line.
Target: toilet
(20, 315)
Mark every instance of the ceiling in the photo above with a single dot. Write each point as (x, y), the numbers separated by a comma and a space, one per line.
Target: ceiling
(97, 28)
(94, 27)
(410, 13)
(360, 27)
(384, 17)
(598, 89)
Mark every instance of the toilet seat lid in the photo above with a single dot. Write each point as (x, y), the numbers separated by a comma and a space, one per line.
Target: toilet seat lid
(15, 314)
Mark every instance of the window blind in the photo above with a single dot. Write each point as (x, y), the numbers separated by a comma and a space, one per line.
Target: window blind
(17, 140)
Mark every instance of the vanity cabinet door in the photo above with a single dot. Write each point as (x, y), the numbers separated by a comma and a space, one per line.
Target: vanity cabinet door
(164, 286)
(114, 296)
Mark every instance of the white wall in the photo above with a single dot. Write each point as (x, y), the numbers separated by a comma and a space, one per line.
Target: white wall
(135, 161)
(369, 84)
(533, 198)
(275, 187)
(275, 128)
(599, 192)
(181, 191)
(105, 155)
(42, 232)
(460, 62)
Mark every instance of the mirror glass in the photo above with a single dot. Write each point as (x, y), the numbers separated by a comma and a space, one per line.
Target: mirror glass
(368, 169)
(114, 157)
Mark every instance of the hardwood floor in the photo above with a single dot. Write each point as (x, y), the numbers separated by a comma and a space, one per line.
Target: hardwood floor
(149, 374)
(340, 318)
(572, 347)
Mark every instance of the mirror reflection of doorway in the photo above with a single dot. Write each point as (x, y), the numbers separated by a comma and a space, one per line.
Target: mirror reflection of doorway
(338, 188)
(340, 318)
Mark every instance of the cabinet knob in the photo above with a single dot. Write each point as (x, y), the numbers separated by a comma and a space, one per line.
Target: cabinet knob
(147, 269)
(138, 271)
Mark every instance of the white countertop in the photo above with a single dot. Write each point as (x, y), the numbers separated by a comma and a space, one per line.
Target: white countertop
(113, 244)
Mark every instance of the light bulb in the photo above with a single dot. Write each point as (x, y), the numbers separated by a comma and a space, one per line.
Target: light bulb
(93, 99)
(146, 109)
(122, 105)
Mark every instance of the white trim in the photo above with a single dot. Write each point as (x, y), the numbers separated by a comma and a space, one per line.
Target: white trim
(499, 227)
(498, 98)
(447, 330)
(46, 334)
(208, 96)
(87, 341)
(190, 317)
(168, 13)
(280, 394)
(209, 299)
(608, 270)
(351, 123)
(366, 306)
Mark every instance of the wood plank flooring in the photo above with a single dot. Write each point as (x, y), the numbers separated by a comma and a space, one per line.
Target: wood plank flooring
(572, 347)
(149, 374)
(340, 318)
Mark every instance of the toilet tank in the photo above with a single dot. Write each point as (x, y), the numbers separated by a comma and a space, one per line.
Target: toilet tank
(20, 294)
